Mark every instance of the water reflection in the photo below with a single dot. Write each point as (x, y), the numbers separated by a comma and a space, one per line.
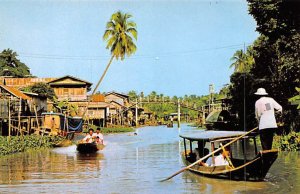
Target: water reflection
(132, 164)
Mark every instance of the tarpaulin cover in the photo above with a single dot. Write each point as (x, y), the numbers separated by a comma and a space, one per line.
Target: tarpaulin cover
(75, 124)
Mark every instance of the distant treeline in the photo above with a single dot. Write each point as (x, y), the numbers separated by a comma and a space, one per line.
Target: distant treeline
(162, 109)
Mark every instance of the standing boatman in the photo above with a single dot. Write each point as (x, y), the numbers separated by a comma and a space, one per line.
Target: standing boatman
(265, 114)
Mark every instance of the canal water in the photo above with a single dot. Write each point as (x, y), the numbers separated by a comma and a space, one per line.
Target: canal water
(132, 164)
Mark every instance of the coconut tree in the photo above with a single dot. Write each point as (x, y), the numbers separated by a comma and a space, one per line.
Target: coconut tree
(240, 61)
(120, 35)
(243, 62)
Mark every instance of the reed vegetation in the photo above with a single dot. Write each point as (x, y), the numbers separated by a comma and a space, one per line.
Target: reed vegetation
(15, 144)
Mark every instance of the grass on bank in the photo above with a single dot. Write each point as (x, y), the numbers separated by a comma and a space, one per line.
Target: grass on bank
(15, 144)
(106, 130)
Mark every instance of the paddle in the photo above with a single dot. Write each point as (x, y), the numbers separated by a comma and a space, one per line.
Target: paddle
(217, 150)
(227, 157)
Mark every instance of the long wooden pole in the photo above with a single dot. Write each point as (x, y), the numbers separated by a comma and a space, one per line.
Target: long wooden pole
(201, 159)
(19, 116)
(178, 113)
(9, 118)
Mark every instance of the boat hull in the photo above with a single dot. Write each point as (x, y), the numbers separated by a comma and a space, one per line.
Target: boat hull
(251, 170)
(89, 147)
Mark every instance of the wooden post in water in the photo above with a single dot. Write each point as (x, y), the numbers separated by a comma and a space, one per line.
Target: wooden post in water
(9, 119)
(178, 114)
(19, 116)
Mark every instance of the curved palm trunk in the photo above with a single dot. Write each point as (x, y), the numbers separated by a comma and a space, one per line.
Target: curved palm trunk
(100, 80)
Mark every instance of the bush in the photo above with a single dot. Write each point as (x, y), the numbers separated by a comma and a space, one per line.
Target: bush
(106, 130)
(289, 142)
(16, 144)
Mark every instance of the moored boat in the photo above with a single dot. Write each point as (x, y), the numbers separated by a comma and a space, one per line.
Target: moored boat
(245, 168)
(89, 147)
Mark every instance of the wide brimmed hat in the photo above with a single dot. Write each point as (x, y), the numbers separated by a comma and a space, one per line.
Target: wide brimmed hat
(261, 92)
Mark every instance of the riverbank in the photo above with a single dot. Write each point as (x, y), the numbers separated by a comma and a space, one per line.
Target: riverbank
(115, 129)
(16, 144)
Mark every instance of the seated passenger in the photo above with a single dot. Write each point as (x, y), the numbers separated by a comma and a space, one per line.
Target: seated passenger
(89, 137)
(201, 152)
(220, 160)
(98, 135)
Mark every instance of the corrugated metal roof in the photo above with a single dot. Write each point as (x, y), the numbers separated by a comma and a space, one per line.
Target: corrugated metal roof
(17, 93)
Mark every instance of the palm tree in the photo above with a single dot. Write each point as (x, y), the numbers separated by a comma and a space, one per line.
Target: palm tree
(243, 62)
(119, 34)
(239, 59)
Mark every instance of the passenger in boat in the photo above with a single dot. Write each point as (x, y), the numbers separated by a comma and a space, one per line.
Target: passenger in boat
(220, 160)
(99, 136)
(201, 152)
(265, 114)
(89, 138)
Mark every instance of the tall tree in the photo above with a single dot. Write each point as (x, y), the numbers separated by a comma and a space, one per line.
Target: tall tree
(239, 59)
(11, 65)
(276, 59)
(243, 61)
(277, 56)
(119, 34)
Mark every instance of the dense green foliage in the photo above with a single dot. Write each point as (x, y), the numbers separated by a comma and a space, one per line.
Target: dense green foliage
(64, 106)
(289, 142)
(296, 99)
(106, 130)
(42, 89)
(169, 103)
(276, 55)
(23, 143)
(10, 65)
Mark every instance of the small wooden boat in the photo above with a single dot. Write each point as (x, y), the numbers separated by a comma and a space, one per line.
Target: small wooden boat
(89, 147)
(170, 125)
(245, 168)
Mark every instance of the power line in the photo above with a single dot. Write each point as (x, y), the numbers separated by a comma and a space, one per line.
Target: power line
(165, 54)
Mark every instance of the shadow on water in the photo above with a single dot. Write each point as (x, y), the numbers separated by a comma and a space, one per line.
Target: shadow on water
(131, 164)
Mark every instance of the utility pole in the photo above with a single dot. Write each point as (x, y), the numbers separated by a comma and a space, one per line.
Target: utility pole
(178, 114)
(211, 100)
(136, 112)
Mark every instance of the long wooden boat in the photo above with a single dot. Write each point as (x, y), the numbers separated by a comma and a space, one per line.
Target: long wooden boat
(86, 148)
(245, 168)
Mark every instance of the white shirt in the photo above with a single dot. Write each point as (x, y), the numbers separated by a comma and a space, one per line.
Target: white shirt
(264, 112)
(98, 135)
(88, 137)
(219, 161)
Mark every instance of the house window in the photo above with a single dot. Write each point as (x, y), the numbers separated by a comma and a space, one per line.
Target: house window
(65, 91)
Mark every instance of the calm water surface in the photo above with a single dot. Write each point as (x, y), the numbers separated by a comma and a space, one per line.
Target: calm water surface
(132, 164)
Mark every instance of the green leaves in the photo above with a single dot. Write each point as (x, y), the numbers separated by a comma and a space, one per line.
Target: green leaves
(119, 35)
(23, 143)
(41, 89)
(288, 142)
(296, 99)
(10, 65)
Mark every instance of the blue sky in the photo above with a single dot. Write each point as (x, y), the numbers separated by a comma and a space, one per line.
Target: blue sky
(183, 46)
